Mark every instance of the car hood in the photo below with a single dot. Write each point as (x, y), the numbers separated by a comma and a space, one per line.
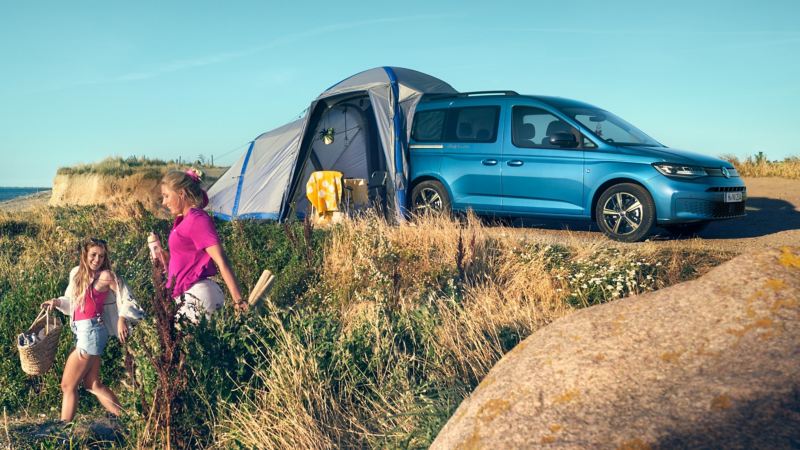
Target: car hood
(674, 155)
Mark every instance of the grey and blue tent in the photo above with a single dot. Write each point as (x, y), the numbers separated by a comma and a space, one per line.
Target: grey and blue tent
(369, 117)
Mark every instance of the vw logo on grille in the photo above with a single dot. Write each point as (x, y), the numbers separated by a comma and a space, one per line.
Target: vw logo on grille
(725, 172)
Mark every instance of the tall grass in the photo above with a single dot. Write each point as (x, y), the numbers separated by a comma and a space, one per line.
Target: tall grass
(760, 166)
(371, 338)
(406, 320)
(121, 167)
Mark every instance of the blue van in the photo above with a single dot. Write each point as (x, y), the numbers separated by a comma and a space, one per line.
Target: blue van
(501, 153)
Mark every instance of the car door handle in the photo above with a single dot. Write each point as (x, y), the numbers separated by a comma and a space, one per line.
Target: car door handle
(489, 162)
(515, 163)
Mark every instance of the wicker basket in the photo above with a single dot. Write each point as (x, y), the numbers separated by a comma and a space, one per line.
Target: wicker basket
(37, 358)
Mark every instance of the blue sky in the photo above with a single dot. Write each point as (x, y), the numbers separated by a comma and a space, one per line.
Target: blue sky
(80, 81)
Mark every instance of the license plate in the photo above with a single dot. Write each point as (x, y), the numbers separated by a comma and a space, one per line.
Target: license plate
(732, 197)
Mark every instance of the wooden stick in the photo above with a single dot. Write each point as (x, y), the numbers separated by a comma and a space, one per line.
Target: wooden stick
(5, 424)
(262, 287)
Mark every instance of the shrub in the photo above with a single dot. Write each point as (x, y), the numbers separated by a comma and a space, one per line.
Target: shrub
(759, 165)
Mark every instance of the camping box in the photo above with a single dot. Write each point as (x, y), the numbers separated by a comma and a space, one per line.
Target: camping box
(355, 194)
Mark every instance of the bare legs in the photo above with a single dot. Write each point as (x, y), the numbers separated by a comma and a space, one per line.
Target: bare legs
(74, 371)
(87, 369)
(91, 382)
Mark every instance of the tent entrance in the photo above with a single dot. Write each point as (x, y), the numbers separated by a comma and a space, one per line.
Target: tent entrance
(355, 148)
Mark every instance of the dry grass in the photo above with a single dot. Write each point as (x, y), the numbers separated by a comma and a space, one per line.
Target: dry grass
(291, 408)
(473, 291)
(377, 277)
(149, 168)
(120, 167)
(760, 166)
(31, 226)
(403, 323)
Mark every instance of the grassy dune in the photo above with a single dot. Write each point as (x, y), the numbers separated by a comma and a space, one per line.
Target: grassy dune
(121, 167)
(373, 335)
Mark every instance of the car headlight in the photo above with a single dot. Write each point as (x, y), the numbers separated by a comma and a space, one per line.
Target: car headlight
(680, 170)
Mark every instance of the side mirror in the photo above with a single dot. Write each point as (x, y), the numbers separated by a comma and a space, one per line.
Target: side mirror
(565, 140)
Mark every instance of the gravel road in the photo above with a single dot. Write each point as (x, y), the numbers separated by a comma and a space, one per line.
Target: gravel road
(773, 220)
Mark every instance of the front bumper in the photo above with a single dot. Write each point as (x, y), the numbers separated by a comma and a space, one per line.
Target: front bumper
(702, 199)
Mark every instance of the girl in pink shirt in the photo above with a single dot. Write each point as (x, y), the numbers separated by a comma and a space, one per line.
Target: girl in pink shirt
(195, 253)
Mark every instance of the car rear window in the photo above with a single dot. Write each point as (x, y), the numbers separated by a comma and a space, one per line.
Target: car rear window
(429, 125)
(468, 124)
(474, 124)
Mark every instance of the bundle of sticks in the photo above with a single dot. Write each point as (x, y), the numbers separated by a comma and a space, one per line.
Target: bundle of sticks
(260, 291)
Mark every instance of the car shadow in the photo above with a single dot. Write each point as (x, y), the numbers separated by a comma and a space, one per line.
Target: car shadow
(765, 216)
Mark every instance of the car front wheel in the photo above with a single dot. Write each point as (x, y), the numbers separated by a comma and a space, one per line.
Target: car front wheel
(625, 212)
(430, 197)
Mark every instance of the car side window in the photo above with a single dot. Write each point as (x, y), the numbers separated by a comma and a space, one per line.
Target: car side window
(532, 128)
(468, 124)
(429, 125)
(473, 124)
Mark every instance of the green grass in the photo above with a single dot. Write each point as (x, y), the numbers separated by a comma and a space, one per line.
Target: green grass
(120, 167)
(373, 336)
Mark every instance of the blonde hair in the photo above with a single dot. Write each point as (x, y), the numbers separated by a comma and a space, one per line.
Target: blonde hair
(180, 181)
(83, 278)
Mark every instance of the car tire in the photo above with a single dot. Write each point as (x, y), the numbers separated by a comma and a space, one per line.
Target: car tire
(430, 197)
(686, 229)
(625, 212)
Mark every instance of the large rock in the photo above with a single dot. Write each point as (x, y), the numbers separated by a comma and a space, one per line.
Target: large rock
(711, 363)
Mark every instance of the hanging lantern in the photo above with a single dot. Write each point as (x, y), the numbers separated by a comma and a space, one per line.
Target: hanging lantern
(327, 136)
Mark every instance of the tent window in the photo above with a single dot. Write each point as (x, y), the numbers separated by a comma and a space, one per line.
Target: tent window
(428, 125)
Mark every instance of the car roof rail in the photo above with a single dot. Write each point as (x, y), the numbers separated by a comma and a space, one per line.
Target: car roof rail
(469, 94)
(478, 93)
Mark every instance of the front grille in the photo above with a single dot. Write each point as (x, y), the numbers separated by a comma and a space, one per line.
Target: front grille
(726, 189)
(712, 210)
(717, 172)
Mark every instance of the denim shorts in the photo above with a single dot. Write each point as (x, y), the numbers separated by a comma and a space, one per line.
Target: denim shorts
(91, 335)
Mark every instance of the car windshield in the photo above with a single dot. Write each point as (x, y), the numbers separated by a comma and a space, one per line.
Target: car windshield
(610, 128)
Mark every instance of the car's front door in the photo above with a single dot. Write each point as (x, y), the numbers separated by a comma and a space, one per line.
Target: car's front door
(540, 178)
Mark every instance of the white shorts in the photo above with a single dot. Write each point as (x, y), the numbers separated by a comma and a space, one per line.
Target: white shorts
(204, 297)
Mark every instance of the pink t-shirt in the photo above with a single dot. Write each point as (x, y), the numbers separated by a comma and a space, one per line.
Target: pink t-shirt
(189, 262)
(92, 305)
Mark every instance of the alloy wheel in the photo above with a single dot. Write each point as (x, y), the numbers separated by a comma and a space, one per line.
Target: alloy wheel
(623, 213)
(428, 200)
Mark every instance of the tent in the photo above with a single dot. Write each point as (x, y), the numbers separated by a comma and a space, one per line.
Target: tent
(368, 115)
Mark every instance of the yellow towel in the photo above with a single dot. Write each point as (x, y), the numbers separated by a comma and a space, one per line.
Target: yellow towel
(324, 191)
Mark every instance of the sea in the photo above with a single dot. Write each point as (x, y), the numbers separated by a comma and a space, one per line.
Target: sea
(7, 193)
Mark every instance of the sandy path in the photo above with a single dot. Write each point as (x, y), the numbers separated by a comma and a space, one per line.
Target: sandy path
(26, 201)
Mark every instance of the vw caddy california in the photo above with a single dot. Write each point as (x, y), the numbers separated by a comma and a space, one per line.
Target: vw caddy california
(501, 153)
